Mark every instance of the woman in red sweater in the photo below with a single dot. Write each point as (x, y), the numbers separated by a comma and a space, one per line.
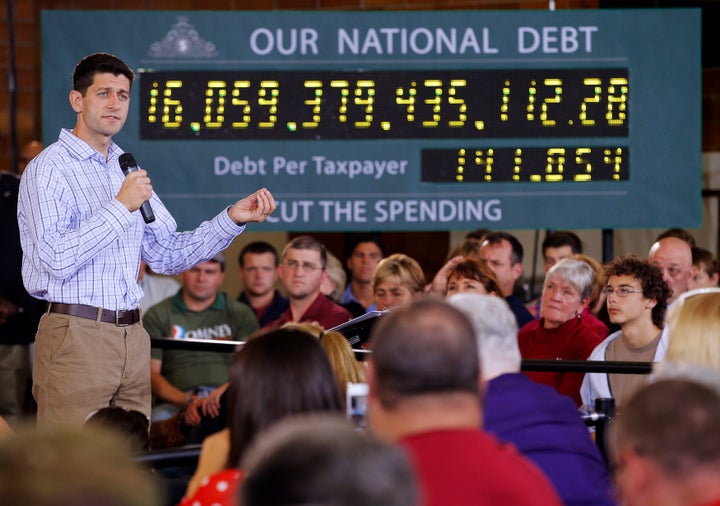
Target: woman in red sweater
(562, 333)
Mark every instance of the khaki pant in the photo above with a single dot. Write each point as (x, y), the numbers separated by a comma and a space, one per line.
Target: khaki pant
(83, 365)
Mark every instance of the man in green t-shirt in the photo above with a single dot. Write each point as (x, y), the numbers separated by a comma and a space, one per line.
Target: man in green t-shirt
(182, 378)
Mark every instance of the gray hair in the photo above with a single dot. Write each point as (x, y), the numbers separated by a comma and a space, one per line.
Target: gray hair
(495, 330)
(576, 272)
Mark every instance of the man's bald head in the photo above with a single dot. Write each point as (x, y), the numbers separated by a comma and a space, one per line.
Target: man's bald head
(673, 257)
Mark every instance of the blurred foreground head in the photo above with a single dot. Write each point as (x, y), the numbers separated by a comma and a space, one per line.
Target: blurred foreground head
(59, 466)
(666, 445)
(323, 460)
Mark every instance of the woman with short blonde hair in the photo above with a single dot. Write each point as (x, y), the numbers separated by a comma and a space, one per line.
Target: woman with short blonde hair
(398, 280)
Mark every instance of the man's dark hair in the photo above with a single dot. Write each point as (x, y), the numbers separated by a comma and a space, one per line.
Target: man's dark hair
(561, 238)
(516, 255)
(674, 423)
(98, 63)
(307, 242)
(651, 281)
(363, 238)
(323, 460)
(678, 233)
(706, 258)
(257, 248)
(129, 425)
(428, 347)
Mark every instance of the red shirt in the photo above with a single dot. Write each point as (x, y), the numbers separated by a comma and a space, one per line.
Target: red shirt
(469, 467)
(573, 340)
(322, 310)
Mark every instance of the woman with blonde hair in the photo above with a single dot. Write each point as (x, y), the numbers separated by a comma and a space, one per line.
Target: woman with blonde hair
(398, 280)
(342, 358)
(694, 329)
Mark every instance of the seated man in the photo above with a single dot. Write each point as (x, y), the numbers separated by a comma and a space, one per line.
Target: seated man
(424, 379)
(302, 270)
(545, 426)
(503, 253)
(364, 257)
(706, 273)
(666, 446)
(636, 300)
(258, 269)
(181, 378)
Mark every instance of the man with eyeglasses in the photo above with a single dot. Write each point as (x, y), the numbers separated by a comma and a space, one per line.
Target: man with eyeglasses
(636, 297)
(258, 269)
(302, 271)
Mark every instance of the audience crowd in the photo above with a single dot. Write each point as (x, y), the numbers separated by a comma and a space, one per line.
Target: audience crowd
(452, 417)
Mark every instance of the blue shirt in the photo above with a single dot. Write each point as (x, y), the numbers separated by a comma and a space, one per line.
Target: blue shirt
(348, 296)
(547, 428)
(82, 246)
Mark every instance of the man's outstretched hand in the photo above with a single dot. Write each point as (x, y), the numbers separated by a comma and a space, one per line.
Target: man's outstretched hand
(256, 207)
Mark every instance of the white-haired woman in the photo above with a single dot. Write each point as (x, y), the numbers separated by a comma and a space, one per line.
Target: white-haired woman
(561, 333)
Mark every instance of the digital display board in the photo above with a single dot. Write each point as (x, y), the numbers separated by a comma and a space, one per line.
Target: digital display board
(432, 104)
(407, 120)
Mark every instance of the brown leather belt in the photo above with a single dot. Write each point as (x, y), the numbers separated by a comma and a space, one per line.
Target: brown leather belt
(120, 317)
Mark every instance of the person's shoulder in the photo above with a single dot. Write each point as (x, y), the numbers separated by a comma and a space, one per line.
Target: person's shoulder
(529, 327)
(604, 344)
(338, 309)
(236, 306)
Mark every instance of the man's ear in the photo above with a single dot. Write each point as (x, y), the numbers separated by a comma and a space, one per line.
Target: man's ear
(584, 303)
(76, 100)
(651, 303)
(517, 270)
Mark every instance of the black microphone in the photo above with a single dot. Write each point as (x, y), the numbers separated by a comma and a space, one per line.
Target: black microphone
(128, 165)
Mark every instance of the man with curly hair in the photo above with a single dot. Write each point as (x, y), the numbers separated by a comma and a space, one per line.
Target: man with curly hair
(637, 298)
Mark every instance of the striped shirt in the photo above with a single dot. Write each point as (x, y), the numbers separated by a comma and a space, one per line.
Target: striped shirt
(82, 246)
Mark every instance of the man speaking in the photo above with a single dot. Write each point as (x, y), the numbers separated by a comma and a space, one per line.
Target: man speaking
(83, 237)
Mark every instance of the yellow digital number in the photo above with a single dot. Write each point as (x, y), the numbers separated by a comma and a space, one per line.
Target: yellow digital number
(407, 97)
(241, 103)
(365, 97)
(585, 167)
(458, 102)
(555, 165)
(557, 86)
(344, 87)
(171, 107)
(436, 89)
(215, 96)
(615, 159)
(268, 97)
(595, 94)
(316, 87)
(617, 101)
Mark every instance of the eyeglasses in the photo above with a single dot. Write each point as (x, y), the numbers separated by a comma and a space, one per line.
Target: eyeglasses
(622, 292)
(303, 266)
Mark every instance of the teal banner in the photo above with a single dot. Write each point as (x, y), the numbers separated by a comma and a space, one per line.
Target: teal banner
(405, 121)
